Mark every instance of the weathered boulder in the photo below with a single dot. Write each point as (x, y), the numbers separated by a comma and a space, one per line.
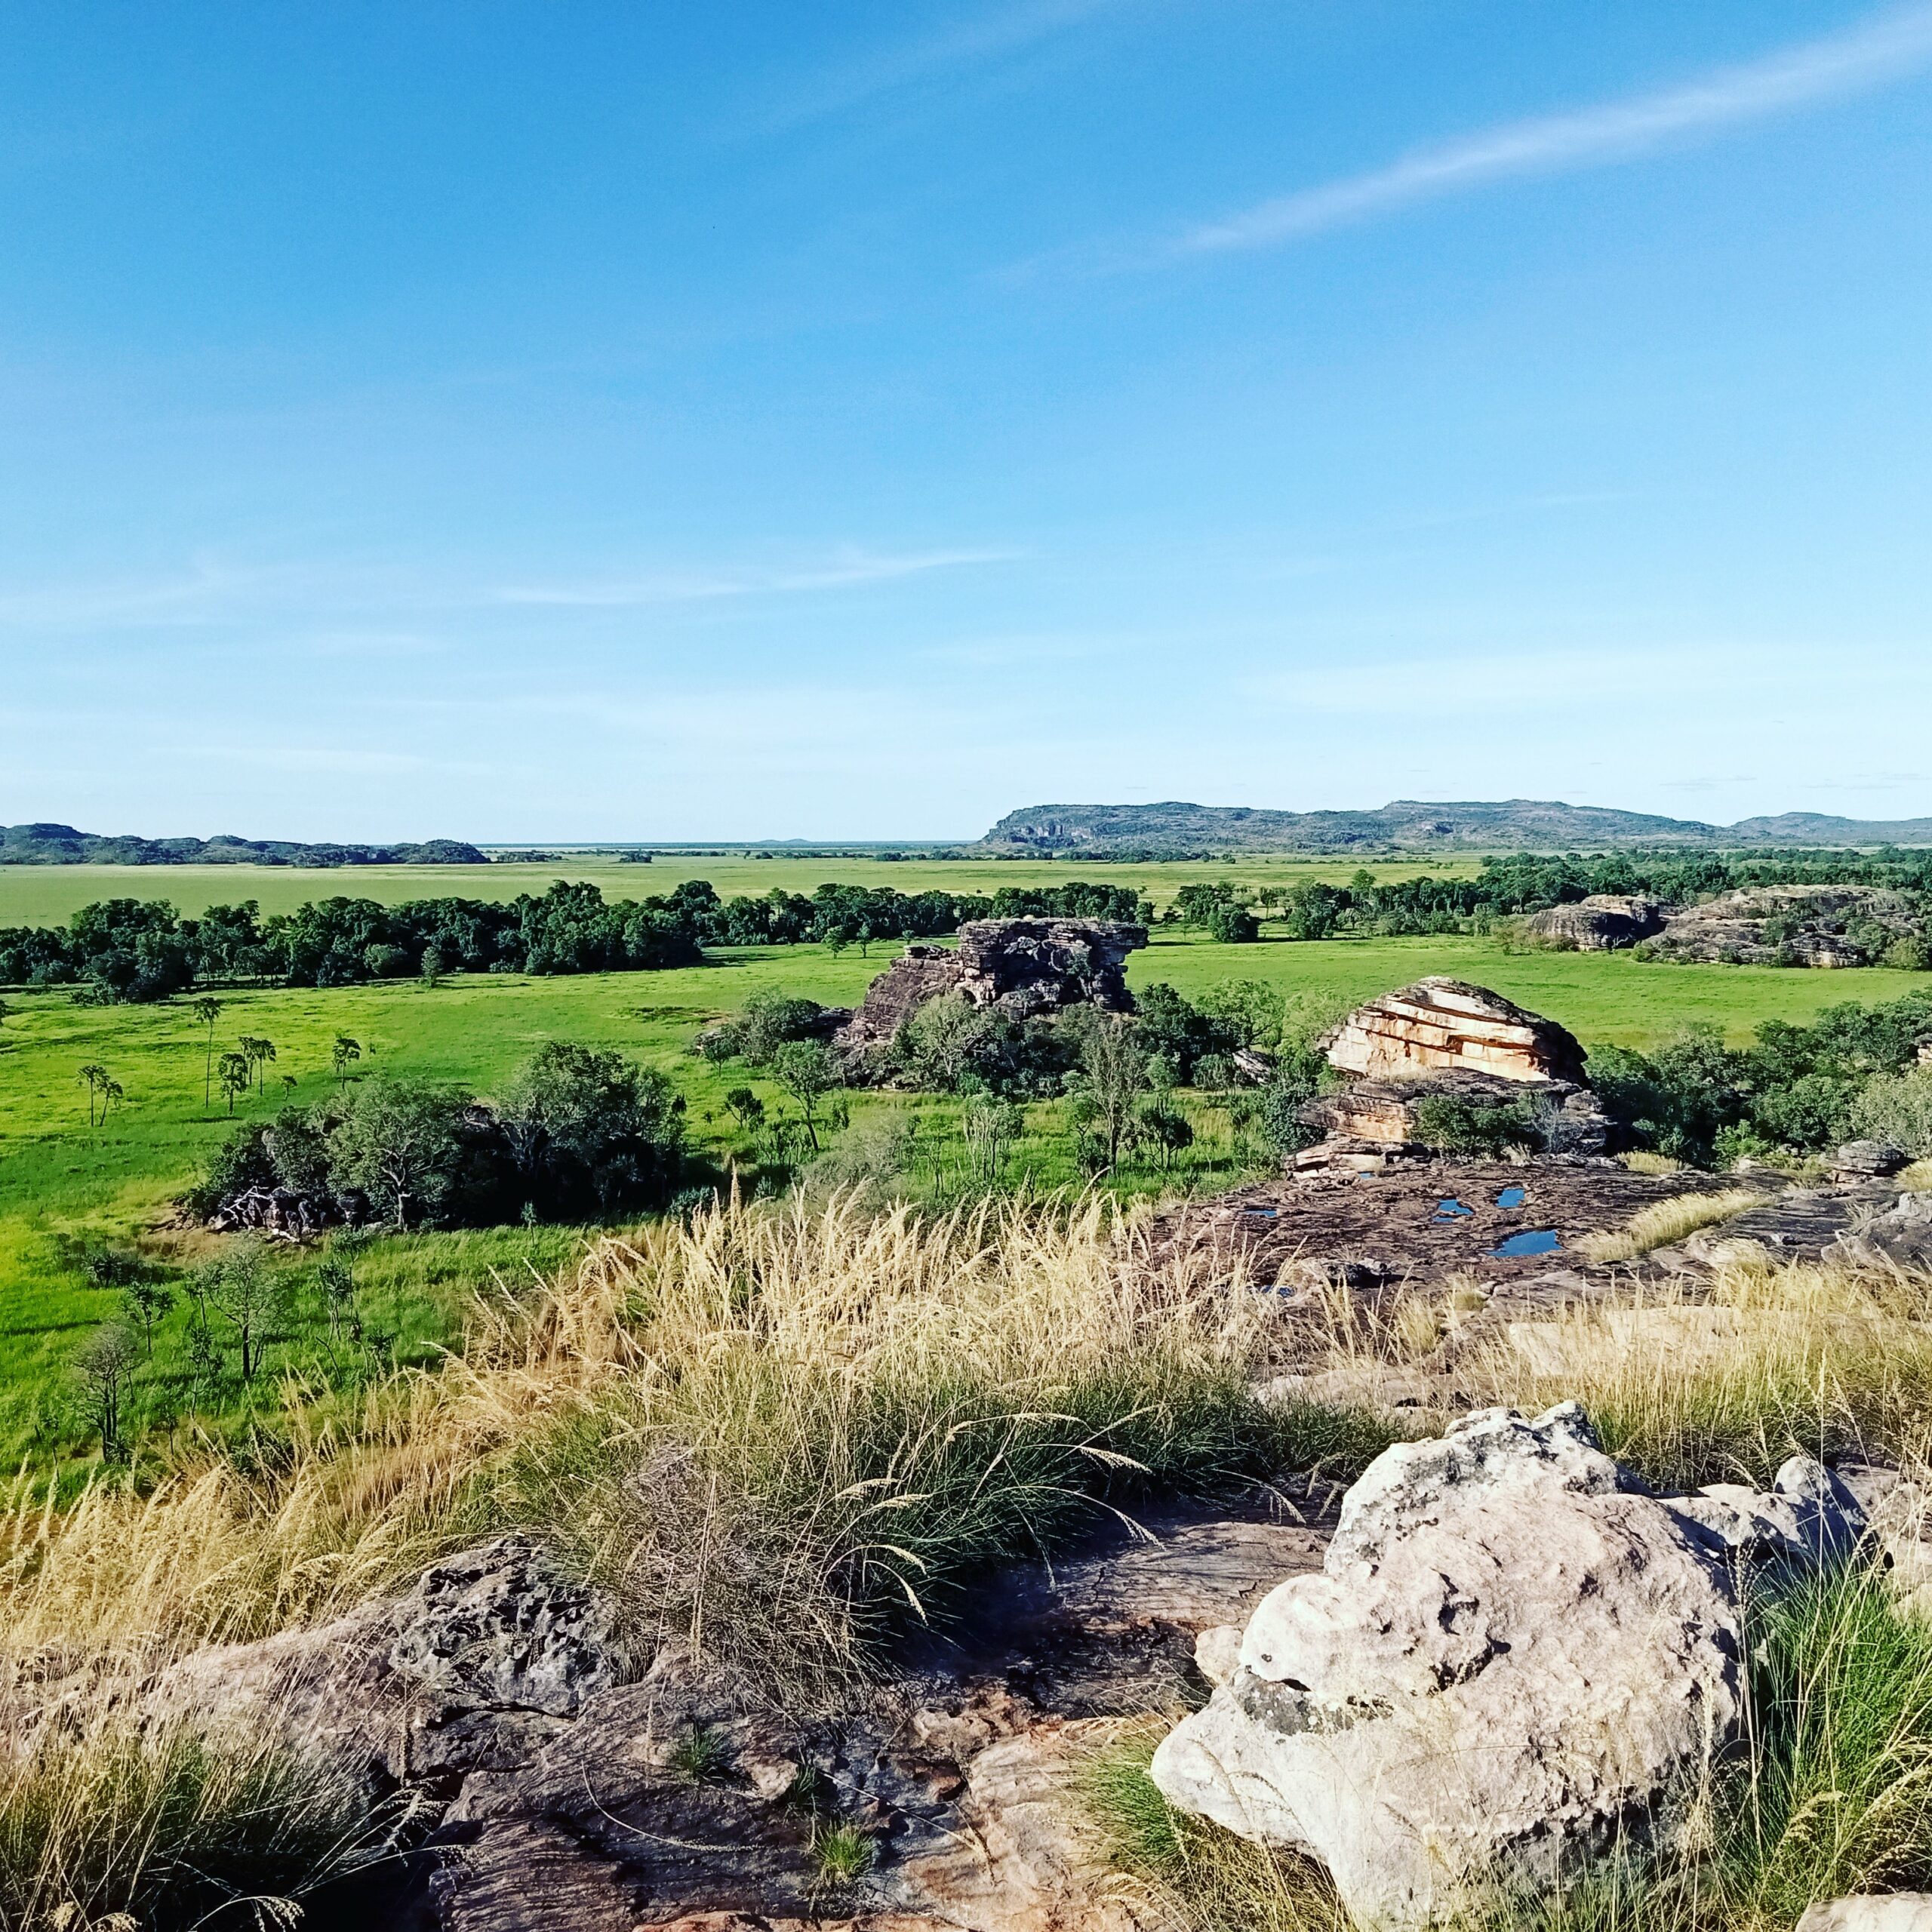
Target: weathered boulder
(1022, 967)
(1605, 922)
(491, 1650)
(1868, 1160)
(1438, 1023)
(1513, 1652)
(1876, 1912)
(1900, 1237)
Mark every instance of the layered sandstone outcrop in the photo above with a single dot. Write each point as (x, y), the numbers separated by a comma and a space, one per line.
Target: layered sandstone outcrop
(1023, 967)
(1440, 1024)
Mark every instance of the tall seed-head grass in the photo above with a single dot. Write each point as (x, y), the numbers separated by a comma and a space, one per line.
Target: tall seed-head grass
(763, 1429)
(1665, 1222)
(1780, 1357)
(99, 1816)
(833, 1417)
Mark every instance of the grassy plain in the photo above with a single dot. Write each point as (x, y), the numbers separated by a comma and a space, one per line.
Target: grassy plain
(42, 895)
(63, 1185)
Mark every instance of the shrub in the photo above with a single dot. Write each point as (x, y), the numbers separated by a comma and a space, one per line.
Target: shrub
(1454, 1123)
(1898, 1109)
(590, 1131)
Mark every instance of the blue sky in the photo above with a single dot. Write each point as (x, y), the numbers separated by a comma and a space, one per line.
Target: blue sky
(534, 421)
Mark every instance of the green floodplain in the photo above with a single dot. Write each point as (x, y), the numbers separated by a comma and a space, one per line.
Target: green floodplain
(66, 1185)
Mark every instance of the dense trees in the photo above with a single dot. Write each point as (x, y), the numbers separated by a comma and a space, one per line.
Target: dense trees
(577, 1132)
(127, 949)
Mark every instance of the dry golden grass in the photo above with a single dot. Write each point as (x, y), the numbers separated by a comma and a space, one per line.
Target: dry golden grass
(1665, 1222)
(1782, 1356)
(759, 1426)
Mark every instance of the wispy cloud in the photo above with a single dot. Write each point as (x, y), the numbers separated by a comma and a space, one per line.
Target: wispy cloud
(845, 570)
(1881, 49)
(1006, 30)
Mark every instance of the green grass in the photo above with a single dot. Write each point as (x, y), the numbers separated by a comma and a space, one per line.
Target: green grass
(63, 1185)
(41, 895)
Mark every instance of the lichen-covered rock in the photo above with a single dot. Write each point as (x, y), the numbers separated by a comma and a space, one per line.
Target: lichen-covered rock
(1440, 1023)
(1605, 922)
(1511, 1650)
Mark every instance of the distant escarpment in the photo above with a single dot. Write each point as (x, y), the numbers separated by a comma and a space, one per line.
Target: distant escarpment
(47, 845)
(1510, 824)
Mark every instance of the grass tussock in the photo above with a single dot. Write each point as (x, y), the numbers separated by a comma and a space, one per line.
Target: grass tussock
(780, 1433)
(832, 1419)
(1781, 1358)
(100, 1818)
(1666, 1222)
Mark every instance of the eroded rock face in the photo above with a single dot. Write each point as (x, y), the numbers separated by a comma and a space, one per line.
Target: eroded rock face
(1511, 1651)
(1024, 967)
(1605, 922)
(1440, 1023)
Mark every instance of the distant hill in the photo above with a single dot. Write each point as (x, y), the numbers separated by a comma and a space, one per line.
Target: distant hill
(1409, 825)
(62, 845)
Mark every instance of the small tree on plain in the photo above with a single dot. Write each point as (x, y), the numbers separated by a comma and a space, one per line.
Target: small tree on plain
(990, 1126)
(433, 968)
(343, 1056)
(105, 1366)
(242, 1287)
(1113, 1077)
(259, 1053)
(805, 1070)
(147, 1298)
(235, 1077)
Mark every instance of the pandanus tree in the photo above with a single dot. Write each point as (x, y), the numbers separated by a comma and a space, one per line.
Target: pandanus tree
(343, 1055)
(236, 1076)
(206, 1011)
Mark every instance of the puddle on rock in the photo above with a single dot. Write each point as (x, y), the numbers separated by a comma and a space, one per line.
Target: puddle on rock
(1512, 1196)
(1531, 1241)
(1450, 1210)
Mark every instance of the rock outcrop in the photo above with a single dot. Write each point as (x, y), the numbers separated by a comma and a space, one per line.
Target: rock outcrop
(1567, 1118)
(1605, 922)
(1022, 967)
(1438, 1023)
(1512, 1653)
(1798, 925)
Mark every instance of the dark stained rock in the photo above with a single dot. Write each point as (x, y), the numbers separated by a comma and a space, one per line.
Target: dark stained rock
(1605, 922)
(1802, 925)
(1868, 1160)
(1023, 967)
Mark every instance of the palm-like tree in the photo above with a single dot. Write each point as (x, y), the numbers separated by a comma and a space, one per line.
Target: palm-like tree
(94, 1078)
(258, 1053)
(207, 1010)
(235, 1075)
(342, 1055)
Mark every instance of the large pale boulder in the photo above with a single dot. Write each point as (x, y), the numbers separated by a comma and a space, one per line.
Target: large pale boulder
(1440, 1023)
(1512, 1651)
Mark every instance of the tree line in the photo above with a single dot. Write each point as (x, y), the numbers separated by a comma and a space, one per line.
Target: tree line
(1519, 883)
(134, 950)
